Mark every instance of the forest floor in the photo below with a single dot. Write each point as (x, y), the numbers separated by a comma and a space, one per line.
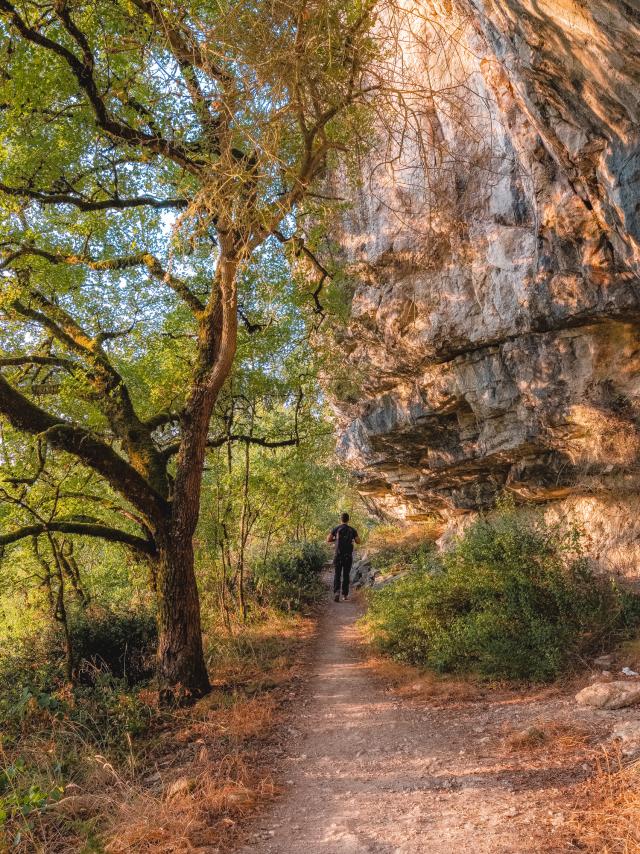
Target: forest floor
(373, 763)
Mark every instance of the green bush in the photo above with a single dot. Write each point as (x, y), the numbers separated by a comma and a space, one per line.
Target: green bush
(413, 555)
(290, 577)
(514, 598)
(119, 643)
(109, 648)
(113, 652)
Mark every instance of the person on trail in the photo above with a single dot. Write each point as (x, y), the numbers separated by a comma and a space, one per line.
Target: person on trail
(344, 536)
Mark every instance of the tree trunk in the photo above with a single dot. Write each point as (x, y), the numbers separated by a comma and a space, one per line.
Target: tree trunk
(181, 668)
(182, 671)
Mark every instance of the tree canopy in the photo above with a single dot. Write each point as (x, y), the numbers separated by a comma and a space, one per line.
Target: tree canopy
(152, 155)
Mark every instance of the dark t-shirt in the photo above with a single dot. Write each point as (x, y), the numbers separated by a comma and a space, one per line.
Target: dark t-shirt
(345, 535)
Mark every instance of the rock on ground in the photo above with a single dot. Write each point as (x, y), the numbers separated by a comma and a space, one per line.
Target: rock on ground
(610, 695)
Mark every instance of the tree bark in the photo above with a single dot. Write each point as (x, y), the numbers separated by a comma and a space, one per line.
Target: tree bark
(181, 665)
(182, 672)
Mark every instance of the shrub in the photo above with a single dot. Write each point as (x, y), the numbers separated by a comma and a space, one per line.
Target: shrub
(108, 647)
(122, 644)
(413, 555)
(113, 652)
(290, 577)
(514, 598)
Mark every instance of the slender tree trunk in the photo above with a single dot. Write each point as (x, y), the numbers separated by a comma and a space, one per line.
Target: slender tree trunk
(224, 582)
(244, 530)
(60, 610)
(182, 671)
(72, 571)
(46, 577)
(223, 594)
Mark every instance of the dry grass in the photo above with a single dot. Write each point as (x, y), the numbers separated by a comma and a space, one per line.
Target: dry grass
(198, 812)
(607, 820)
(412, 683)
(220, 768)
(600, 436)
(187, 784)
(558, 738)
(388, 537)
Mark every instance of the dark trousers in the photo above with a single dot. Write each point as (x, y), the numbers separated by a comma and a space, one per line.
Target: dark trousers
(342, 567)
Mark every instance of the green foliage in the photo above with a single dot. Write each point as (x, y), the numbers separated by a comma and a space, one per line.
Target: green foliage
(290, 577)
(412, 555)
(19, 796)
(514, 598)
(122, 645)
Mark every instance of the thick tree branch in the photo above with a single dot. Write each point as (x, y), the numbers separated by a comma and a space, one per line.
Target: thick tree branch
(139, 259)
(54, 361)
(109, 505)
(219, 441)
(85, 529)
(80, 442)
(161, 419)
(108, 388)
(48, 197)
(69, 333)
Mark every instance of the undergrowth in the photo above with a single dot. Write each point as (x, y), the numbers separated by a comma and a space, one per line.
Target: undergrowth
(290, 577)
(98, 766)
(607, 820)
(513, 598)
(396, 550)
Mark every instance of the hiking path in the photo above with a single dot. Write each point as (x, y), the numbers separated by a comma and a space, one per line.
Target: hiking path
(370, 772)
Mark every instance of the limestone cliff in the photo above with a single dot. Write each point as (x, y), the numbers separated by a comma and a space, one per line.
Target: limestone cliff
(493, 337)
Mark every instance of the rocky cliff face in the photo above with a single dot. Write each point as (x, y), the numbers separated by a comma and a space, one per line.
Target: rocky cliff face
(493, 340)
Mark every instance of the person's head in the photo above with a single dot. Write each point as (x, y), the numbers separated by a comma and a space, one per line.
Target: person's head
(345, 518)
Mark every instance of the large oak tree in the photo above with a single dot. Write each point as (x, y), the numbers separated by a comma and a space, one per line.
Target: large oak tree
(148, 150)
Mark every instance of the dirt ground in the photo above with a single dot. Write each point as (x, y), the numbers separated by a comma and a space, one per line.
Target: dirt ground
(369, 770)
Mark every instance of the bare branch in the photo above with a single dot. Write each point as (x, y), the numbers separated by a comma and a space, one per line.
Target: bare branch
(248, 325)
(219, 441)
(300, 248)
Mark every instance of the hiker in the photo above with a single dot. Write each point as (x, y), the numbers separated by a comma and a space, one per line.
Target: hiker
(344, 536)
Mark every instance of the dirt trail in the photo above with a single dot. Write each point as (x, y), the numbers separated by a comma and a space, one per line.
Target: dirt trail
(370, 772)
